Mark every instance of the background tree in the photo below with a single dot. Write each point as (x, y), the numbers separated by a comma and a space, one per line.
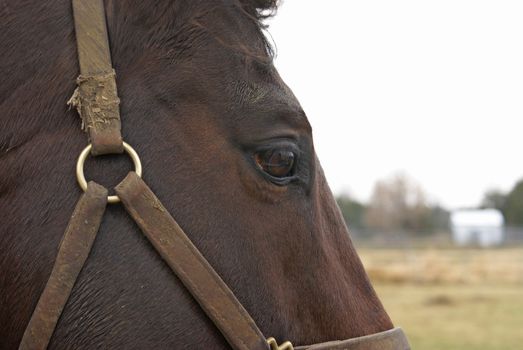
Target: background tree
(494, 199)
(352, 211)
(514, 205)
(439, 219)
(398, 203)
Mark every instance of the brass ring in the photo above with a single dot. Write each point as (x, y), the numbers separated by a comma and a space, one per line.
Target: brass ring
(83, 156)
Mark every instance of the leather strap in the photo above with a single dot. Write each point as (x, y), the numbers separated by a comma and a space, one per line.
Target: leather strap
(393, 339)
(96, 98)
(209, 290)
(72, 254)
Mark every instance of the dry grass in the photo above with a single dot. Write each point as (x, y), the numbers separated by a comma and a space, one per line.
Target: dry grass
(452, 299)
(457, 317)
(444, 266)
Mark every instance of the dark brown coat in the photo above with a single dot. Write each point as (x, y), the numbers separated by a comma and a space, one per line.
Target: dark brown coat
(199, 97)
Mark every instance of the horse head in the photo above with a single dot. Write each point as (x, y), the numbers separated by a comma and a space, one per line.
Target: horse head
(228, 150)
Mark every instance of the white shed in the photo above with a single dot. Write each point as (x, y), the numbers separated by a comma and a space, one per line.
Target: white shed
(481, 227)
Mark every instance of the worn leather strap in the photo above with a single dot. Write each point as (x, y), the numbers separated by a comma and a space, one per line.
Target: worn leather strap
(72, 254)
(393, 339)
(96, 98)
(209, 290)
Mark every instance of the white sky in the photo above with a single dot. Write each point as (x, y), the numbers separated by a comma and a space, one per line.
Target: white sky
(430, 88)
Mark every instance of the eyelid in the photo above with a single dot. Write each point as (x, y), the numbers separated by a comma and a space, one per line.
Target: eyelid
(285, 144)
(287, 134)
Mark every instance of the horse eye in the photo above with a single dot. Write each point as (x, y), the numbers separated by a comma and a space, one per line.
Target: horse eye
(276, 162)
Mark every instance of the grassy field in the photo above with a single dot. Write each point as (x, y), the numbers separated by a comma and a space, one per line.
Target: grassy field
(460, 299)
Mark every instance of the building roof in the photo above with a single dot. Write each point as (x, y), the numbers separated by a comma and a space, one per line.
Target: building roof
(477, 218)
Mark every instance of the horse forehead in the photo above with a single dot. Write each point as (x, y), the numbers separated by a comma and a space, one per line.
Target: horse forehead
(268, 102)
(234, 96)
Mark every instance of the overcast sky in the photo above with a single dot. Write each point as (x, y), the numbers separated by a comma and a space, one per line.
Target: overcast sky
(430, 88)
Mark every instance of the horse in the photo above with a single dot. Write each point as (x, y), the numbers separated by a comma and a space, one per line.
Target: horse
(225, 145)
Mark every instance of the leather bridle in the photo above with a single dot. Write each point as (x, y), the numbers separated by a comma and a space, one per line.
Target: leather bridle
(97, 103)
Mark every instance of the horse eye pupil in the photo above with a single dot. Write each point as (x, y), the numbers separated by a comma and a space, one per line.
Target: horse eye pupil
(277, 163)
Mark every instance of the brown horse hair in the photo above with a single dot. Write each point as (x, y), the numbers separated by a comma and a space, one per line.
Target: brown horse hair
(200, 98)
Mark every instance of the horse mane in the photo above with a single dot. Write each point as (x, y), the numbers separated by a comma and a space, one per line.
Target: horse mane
(259, 11)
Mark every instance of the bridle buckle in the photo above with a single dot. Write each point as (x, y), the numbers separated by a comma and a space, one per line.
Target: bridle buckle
(274, 345)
